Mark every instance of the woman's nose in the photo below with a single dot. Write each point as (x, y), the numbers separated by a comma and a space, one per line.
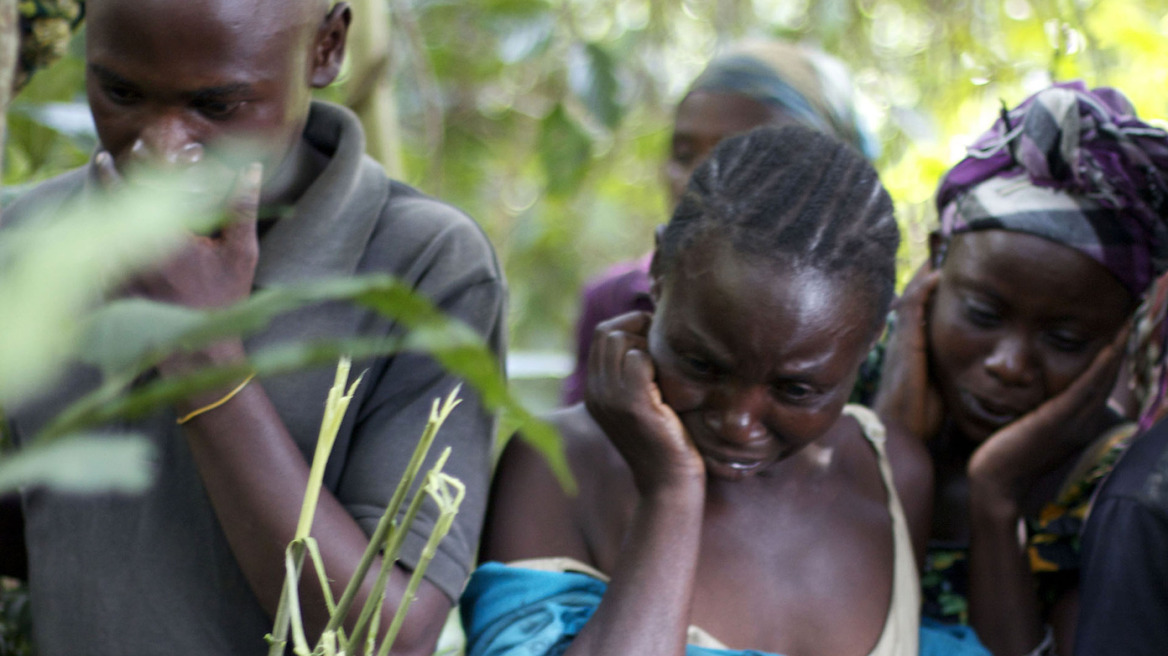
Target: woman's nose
(736, 417)
(1010, 362)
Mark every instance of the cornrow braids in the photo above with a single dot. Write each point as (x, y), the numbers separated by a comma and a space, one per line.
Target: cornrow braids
(796, 196)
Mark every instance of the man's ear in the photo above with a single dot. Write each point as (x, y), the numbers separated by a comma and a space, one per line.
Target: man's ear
(329, 50)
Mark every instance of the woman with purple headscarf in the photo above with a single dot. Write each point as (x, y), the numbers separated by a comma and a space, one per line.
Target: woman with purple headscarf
(1009, 341)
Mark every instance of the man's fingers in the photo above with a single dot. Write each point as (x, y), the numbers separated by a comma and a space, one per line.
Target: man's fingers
(245, 199)
(240, 231)
(107, 172)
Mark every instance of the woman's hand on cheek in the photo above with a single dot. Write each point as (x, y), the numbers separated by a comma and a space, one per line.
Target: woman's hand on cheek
(623, 398)
(1004, 466)
(908, 401)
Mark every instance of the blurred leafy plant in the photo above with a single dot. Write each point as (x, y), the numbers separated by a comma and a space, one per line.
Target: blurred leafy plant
(555, 115)
(53, 272)
(548, 121)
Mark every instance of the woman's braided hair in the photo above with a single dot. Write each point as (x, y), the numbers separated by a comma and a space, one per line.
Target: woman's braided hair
(796, 196)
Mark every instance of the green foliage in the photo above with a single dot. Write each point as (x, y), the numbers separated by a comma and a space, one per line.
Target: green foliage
(54, 270)
(386, 541)
(81, 463)
(555, 116)
(76, 254)
(47, 134)
(597, 85)
(549, 121)
(564, 151)
(128, 337)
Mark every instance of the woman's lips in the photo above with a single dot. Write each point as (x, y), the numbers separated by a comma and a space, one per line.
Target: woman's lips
(732, 467)
(989, 412)
(732, 460)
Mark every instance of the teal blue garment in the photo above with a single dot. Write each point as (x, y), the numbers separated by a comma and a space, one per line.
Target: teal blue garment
(939, 639)
(511, 611)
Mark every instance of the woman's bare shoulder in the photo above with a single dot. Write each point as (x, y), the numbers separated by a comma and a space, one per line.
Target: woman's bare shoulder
(531, 514)
(912, 470)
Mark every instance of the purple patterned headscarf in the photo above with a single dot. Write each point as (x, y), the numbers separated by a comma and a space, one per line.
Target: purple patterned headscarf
(1075, 166)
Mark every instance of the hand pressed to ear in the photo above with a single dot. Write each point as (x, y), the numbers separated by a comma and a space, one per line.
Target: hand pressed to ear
(623, 398)
(1006, 464)
(907, 400)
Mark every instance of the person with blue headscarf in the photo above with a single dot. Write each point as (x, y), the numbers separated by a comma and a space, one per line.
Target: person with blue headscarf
(756, 82)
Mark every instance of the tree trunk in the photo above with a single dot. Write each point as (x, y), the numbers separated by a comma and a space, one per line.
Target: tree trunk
(9, 51)
(370, 91)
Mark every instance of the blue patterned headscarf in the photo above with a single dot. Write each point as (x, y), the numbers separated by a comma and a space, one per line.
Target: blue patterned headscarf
(807, 85)
(1074, 166)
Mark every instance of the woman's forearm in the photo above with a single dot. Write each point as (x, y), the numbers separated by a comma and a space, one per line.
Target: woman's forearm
(1003, 603)
(647, 605)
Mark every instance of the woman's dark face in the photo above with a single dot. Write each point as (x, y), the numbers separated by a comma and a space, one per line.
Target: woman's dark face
(1014, 321)
(756, 358)
(705, 118)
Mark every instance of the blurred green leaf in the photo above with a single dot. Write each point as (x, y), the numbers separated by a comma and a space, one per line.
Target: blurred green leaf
(594, 80)
(135, 333)
(121, 334)
(81, 463)
(564, 151)
(931, 76)
(71, 120)
(53, 267)
(129, 336)
(515, 7)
